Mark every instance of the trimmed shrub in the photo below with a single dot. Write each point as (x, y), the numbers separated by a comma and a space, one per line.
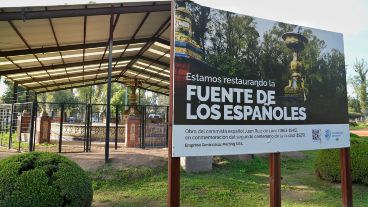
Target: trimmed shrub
(43, 179)
(328, 162)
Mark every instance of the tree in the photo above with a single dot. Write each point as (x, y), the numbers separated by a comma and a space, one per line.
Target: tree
(56, 98)
(7, 97)
(84, 94)
(360, 82)
(233, 45)
(201, 18)
(354, 105)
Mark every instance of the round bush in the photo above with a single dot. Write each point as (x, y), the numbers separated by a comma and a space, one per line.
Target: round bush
(328, 162)
(43, 179)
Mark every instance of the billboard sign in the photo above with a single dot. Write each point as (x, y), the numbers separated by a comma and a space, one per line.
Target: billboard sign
(245, 85)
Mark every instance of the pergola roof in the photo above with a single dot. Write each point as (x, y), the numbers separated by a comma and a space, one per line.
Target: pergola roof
(60, 47)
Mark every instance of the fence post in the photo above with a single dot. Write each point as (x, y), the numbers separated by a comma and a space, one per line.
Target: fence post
(116, 126)
(61, 127)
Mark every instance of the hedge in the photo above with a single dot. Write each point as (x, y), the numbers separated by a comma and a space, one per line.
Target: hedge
(43, 179)
(328, 162)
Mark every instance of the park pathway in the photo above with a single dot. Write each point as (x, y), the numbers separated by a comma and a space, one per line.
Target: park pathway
(360, 132)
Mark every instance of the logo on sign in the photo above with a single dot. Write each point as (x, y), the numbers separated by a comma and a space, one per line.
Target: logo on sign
(327, 134)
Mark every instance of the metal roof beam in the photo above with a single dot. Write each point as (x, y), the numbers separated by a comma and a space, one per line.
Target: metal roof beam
(153, 91)
(55, 78)
(71, 87)
(80, 46)
(82, 74)
(149, 83)
(76, 64)
(67, 83)
(87, 85)
(25, 15)
(91, 79)
(146, 73)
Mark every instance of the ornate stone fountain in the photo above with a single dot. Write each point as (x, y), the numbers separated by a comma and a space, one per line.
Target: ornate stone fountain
(296, 88)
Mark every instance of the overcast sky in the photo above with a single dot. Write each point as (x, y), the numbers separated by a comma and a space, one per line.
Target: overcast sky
(349, 17)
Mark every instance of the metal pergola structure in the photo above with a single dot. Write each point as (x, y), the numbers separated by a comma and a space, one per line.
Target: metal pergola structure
(45, 49)
(53, 48)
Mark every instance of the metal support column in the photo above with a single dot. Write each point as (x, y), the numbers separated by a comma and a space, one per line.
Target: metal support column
(139, 96)
(116, 126)
(1, 125)
(11, 125)
(88, 118)
(275, 180)
(27, 95)
(15, 93)
(126, 99)
(108, 96)
(61, 127)
(85, 128)
(143, 126)
(14, 100)
(167, 126)
(32, 130)
(35, 123)
(90, 123)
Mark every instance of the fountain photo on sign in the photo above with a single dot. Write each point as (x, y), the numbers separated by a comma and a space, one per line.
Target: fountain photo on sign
(296, 88)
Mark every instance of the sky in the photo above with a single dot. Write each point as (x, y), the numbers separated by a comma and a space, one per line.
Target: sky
(349, 17)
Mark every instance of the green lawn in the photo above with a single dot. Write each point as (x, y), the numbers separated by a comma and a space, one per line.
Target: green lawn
(231, 183)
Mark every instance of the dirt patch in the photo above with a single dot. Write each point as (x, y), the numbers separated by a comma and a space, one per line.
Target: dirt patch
(295, 155)
(238, 157)
(121, 158)
(296, 195)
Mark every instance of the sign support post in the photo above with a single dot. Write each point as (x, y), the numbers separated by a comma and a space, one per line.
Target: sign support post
(173, 194)
(275, 180)
(173, 191)
(346, 182)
